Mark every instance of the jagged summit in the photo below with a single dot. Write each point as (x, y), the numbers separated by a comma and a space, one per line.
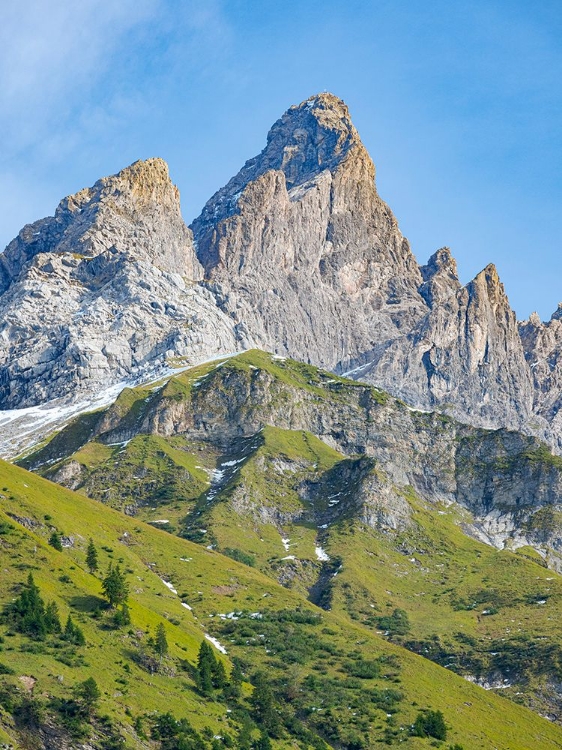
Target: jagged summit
(296, 254)
(440, 277)
(103, 291)
(315, 135)
(309, 138)
(300, 248)
(115, 215)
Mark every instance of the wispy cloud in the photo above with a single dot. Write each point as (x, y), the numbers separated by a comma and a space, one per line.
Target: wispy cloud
(75, 75)
(52, 52)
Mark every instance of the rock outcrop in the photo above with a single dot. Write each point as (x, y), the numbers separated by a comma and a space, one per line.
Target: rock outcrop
(510, 482)
(104, 291)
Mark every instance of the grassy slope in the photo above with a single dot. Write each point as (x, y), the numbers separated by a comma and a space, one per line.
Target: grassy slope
(212, 584)
(443, 579)
(452, 587)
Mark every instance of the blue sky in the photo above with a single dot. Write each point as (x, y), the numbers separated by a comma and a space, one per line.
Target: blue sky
(458, 103)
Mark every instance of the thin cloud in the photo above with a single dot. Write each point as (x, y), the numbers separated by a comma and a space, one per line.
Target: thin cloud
(73, 75)
(53, 52)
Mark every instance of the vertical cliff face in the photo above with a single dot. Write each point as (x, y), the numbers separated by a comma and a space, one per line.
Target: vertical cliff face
(465, 355)
(301, 250)
(543, 349)
(103, 290)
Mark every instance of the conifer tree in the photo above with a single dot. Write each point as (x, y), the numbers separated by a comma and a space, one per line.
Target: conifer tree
(52, 621)
(219, 674)
(122, 617)
(233, 687)
(89, 693)
(160, 641)
(205, 664)
(263, 707)
(73, 634)
(92, 557)
(115, 586)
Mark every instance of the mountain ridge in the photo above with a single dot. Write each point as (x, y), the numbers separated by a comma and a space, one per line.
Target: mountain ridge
(297, 254)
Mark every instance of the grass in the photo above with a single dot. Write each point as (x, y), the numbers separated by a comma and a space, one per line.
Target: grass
(211, 584)
(478, 611)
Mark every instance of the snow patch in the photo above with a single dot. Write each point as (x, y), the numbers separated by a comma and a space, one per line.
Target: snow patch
(170, 586)
(216, 643)
(321, 554)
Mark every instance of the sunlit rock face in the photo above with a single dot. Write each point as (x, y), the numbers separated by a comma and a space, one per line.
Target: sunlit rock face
(106, 289)
(297, 254)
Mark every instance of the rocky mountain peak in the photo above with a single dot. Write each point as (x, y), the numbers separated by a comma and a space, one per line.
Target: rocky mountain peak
(440, 277)
(300, 248)
(488, 283)
(309, 139)
(135, 213)
(137, 187)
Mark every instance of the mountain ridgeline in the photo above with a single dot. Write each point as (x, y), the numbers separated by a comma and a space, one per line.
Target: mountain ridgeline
(297, 255)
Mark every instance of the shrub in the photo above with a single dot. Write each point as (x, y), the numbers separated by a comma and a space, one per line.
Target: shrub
(430, 724)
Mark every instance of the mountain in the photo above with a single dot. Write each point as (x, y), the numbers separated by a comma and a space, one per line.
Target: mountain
(103, 291)
(346, 495)
(250, 549)
(332, 681)
(297, 254)
(301, 250)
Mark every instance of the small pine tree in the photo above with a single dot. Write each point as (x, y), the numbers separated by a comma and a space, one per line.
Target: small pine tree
(160, 641)
(219, 675)
(55, 541)
(244, 738)
(233, 687)
(89, 693)
(205, 663)
(122, 617)
(92, 557)
(115, 586)
(52, 621)
(73, 634)
(263, 706)
(430, 724)
(29, 615)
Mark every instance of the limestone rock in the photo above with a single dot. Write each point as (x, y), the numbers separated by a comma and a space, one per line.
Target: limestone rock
(297, 254)
(543, 350)
(300, 249)
(104, 291)
(464, 356)
(302, 252)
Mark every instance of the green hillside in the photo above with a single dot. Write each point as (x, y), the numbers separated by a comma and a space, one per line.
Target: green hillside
(307, 478)
(332, 680)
